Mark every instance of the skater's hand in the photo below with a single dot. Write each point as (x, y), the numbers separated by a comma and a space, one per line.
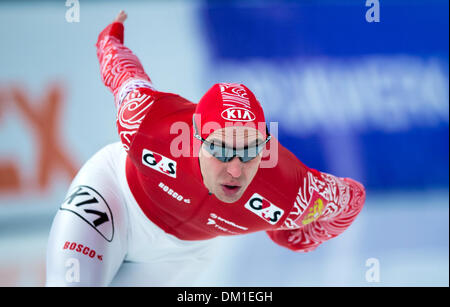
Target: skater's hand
(121, 17)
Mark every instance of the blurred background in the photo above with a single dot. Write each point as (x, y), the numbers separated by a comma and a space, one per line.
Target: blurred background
(359, 89)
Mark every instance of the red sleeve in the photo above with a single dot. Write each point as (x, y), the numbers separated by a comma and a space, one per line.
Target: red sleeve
(120, 69)
(123, 74)
(325, 206)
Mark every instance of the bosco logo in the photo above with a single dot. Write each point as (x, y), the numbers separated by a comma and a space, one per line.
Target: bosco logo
(159, 163)
(174, 194)
(82, 249)
(264, 209)
(238, 114)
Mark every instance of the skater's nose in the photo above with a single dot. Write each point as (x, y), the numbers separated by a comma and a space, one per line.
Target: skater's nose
(234, 167)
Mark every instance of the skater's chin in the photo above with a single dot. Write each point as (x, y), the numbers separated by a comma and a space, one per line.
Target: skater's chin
(229, 193)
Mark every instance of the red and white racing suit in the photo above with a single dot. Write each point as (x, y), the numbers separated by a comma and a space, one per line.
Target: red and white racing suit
(138, 203)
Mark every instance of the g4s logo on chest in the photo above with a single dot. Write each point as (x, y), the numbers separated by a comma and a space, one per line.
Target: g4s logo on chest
(159, 163)
(264, 209)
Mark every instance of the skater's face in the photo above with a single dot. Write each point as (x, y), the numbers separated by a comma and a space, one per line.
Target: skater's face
(229, 180)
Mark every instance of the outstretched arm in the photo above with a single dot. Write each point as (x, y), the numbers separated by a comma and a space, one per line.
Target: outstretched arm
(120, 69)
(124, 75)
(324, 208)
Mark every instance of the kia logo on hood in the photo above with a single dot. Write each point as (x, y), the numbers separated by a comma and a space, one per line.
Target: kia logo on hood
(238, 114)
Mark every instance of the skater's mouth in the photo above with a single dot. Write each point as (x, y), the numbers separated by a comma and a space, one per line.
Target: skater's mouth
(230, 189)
